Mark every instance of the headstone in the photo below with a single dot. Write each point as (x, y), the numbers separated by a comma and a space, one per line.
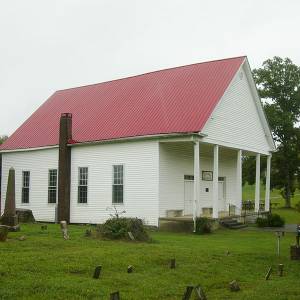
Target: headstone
(199, 293)
(280, 270)
(268, 273)
(188, 292)
(9, 217)
(25, 215)
(88, 232)
(64, 229)
(44, 227)
(131, 236)
(115, 296)
(22, 238)
(97, 272)
(3, 233)
(130, 269)
(234, 286)
(173, 263)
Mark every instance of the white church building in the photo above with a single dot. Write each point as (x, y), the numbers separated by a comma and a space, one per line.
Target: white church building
(169, 142)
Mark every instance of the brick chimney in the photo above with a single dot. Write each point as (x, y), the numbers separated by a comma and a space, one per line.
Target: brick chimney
(64, 168)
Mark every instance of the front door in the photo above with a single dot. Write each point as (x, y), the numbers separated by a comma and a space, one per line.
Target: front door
(188, 197)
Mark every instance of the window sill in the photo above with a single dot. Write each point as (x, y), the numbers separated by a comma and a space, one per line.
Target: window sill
(117, 204)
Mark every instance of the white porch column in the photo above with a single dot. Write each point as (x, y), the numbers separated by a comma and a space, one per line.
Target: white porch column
(215, 191)
(238, 203)
(268, 175)
(257, 183)
(196, 202)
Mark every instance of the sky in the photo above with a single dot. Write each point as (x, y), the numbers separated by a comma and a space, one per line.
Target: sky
(47, 45)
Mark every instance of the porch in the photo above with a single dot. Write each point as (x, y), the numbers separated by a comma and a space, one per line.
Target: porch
(203, 179)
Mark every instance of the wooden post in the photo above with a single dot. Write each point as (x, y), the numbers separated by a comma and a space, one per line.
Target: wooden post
(216, 183)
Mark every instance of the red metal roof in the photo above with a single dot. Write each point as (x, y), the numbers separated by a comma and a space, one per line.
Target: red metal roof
(177, 100)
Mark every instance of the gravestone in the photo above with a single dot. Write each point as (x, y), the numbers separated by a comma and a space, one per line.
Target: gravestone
(188, 292)
(199, 293)
(64, 229)
(268, 273)
(131, 236)
(173, 263)
(44, 227)
(9, 217)
(130, 269)
(22, 238)
(88, 233)
(3, 233)
(234, 286)
(115, 296)
(280, 270)
(97, 272)
(25, 215)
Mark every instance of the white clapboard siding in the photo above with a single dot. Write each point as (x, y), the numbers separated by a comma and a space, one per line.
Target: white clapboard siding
(176, 160)
(38, 162)
(140, 160)
(235, 122)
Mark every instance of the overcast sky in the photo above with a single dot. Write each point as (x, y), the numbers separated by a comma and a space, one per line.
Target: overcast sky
(49, 45)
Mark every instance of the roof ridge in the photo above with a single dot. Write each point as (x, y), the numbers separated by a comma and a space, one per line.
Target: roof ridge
(151, 72)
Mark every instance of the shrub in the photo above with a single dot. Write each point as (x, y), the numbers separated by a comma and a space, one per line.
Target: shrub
(272, 220)
(118, 228)
(203, 225)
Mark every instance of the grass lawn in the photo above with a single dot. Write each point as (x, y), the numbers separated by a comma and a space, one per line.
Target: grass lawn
(290, 215)
(44, 266)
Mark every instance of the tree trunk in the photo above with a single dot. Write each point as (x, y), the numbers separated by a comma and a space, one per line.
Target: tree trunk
(288, 193)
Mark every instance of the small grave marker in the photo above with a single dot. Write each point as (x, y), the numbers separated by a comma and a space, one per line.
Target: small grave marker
(88, 232)
(234, 286)
(268, 273)
(280, 270)
(64, 229)
(188, 292)
(130, 269)
(22, 238)
(44, 227)
(3, 233)
(131, 235)
(173, 263)
(97, 272)
(200, 295)
(115, 296)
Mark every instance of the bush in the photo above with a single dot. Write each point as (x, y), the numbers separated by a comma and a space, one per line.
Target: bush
(203, 225)
(118, 228)
(272, 220)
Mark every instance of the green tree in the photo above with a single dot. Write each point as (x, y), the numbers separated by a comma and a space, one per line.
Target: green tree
(278, 83)
(3, 138)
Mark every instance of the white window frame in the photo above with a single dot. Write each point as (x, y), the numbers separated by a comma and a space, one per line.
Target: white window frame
(80, 185)
(56, 185)
(113, 184)
(25, 203)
